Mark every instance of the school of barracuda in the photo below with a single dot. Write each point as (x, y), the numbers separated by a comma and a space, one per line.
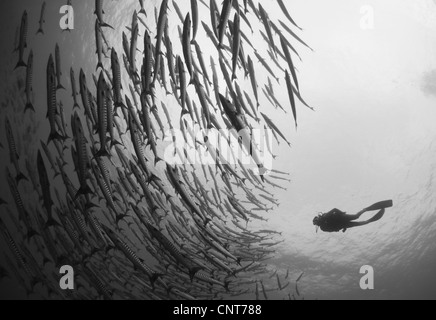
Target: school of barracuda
(131, 225)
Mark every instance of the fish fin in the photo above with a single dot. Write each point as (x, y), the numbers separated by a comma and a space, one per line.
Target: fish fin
(193, 272)
(104, 24)
(207, 221)
(157, 160)
(31, 233)
(83, 191)
(120, 217)
(29, 106)
(103, 152)
(55, 136)
(120, 105)
(226, 285)
(153, 177)
(154, 278)
(238, 261)
(20, 63)
(20, 177)
(45, 261)
(51, 223)
(34, 282)
(99, 65)
(115, 142)
(90, 205)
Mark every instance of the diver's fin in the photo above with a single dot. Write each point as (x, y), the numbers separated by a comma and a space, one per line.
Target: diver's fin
(378, 216)
(380, 205)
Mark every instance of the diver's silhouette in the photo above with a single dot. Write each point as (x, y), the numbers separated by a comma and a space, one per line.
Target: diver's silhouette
(336, 220)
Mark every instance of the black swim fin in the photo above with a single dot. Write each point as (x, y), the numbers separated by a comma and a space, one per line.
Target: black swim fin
(380, 205)
(378, 216)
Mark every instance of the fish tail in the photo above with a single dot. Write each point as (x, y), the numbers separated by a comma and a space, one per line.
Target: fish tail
(114, 143)
(29, 106)
(120, 217)
(51, 223)
(99, 65)
(207, 221)
(157, 160)
(55, 136)
(263, 178)
(120, 105)
(60, 86)
(40, 31)
(34, 282)
(20, 63)
(20, 176)
(76, 105)
(102, 153)
(153, 177)
(31, 233)
(234, 77)
(226, 285)
(90, 205)
(104, 24)
(238, 261)
(84, 190)
(143, 12)
(45, 261)
(154, 278)
(193, 81)
(193, 272)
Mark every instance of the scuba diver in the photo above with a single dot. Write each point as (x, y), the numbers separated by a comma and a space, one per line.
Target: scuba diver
(336, 220)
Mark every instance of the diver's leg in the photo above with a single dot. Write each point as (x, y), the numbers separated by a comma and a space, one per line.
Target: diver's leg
(378, 216)
(357, 215)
